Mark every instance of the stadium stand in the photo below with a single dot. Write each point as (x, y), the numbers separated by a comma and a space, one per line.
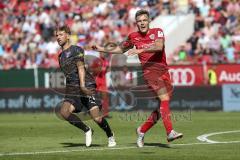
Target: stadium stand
(31, 23)
(217, 34)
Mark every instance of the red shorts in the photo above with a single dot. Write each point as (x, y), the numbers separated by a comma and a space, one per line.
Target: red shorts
(157, 80)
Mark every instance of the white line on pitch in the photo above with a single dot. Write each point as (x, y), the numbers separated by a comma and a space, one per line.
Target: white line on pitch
(204, 137)
(101, 149)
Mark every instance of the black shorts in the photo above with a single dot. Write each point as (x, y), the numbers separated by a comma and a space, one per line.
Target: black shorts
(83, 103)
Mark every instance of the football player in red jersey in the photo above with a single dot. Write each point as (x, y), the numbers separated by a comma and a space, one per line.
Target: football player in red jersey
(148, 44)
(100, 68)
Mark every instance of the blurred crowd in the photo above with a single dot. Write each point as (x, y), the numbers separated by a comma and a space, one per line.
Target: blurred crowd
(27, 28)
(216, 37)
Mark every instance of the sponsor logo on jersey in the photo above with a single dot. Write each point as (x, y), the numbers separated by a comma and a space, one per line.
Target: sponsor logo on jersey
(136, 39)
(145, 45)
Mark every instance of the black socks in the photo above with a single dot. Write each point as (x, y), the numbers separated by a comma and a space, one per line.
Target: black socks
(74, 120)
(104, 125)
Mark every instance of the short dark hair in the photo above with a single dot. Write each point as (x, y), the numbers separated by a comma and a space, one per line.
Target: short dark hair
(64, 28)
(141, 12)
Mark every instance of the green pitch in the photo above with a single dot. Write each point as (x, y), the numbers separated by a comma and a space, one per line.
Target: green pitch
(42, 136)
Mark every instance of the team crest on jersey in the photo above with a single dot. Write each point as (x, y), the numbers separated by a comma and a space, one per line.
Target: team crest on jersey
(152, 36)
(68, 54)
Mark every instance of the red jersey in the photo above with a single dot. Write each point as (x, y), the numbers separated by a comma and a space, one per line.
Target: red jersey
(145, 41)
(154, 65)
(100, 66)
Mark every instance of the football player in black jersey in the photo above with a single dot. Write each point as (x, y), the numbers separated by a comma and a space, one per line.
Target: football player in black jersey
(80, 88)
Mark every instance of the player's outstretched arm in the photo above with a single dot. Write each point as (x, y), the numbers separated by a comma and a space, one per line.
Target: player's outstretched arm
(115, 48)
(156, 47)
(109, 48)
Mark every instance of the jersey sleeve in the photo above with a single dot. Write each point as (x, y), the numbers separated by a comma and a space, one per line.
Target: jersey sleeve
(79, 54)
(127, 44)
(160, 34)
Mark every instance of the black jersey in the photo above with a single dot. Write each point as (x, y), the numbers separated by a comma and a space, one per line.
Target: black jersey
(68, 63)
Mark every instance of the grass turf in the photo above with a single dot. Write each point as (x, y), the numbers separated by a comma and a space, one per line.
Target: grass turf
(44, 132)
